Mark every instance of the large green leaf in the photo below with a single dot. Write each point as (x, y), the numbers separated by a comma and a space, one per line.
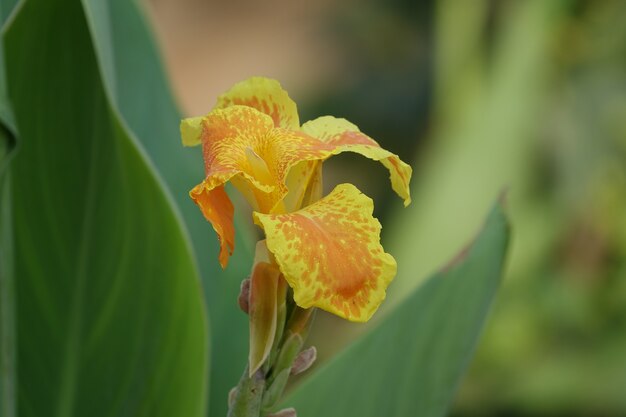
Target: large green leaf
(133, 75)
(110, 315)
(410, 365)
(7, 297)
(7, 278)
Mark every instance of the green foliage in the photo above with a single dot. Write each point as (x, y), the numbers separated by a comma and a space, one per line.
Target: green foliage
(110, 317)
(135, 81)
(411, 363)
(7, 278)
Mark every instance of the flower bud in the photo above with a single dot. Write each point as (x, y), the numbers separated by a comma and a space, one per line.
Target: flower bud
(287, 412)
(244, 296)
(231, 396)
(304, 360)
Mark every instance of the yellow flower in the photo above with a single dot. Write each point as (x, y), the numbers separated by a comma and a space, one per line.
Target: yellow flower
(327, 249)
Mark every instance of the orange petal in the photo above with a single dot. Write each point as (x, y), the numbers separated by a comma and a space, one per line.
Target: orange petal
(217, 209)
(227, 134)
(265, 95)
(242, 142)
(231, 139)
(344, 136)
(330, 253)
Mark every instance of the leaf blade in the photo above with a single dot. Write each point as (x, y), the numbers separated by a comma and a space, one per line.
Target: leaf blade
(7, 277)
(107, 283)
(133, 75)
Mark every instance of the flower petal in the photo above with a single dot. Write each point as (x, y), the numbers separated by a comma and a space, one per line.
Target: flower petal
(303, 177)
(217, 209)
(330, 254)
(231, 138)
(265, 95)
(227, 134)
(345, 136)
(242, 142)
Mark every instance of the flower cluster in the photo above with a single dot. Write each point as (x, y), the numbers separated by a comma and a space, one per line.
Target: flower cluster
(326, 248)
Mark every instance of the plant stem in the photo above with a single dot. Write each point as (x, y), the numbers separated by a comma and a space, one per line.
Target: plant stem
(248, 397)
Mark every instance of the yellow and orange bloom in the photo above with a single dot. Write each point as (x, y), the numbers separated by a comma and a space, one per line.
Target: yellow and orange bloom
(328, 248)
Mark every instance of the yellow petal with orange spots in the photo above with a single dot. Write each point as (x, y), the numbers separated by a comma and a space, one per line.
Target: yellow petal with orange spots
(217, 209)
(277, 169)
(265, 95)
(344, 136)
(242, 143)
(330, 253)
(231, 138)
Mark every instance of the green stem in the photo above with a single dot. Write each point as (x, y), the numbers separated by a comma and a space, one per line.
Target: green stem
(249, 395)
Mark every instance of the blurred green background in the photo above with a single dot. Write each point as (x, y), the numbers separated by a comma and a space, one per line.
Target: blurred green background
(479, 95)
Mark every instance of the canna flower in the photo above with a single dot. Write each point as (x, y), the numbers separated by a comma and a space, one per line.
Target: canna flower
(328, 249)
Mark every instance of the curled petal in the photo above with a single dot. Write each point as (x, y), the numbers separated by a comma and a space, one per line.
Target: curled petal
(227, 136)
(217, 209)
(231, 139)
(276, 169)
(265, 95)
(242, 142)
(344, 136)
(330, 253)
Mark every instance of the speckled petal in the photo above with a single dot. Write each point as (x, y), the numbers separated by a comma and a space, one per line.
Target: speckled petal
(217, 209)
(345, 136)
(230, 139)
(242, 142)
(330, 253)
(265, 95)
